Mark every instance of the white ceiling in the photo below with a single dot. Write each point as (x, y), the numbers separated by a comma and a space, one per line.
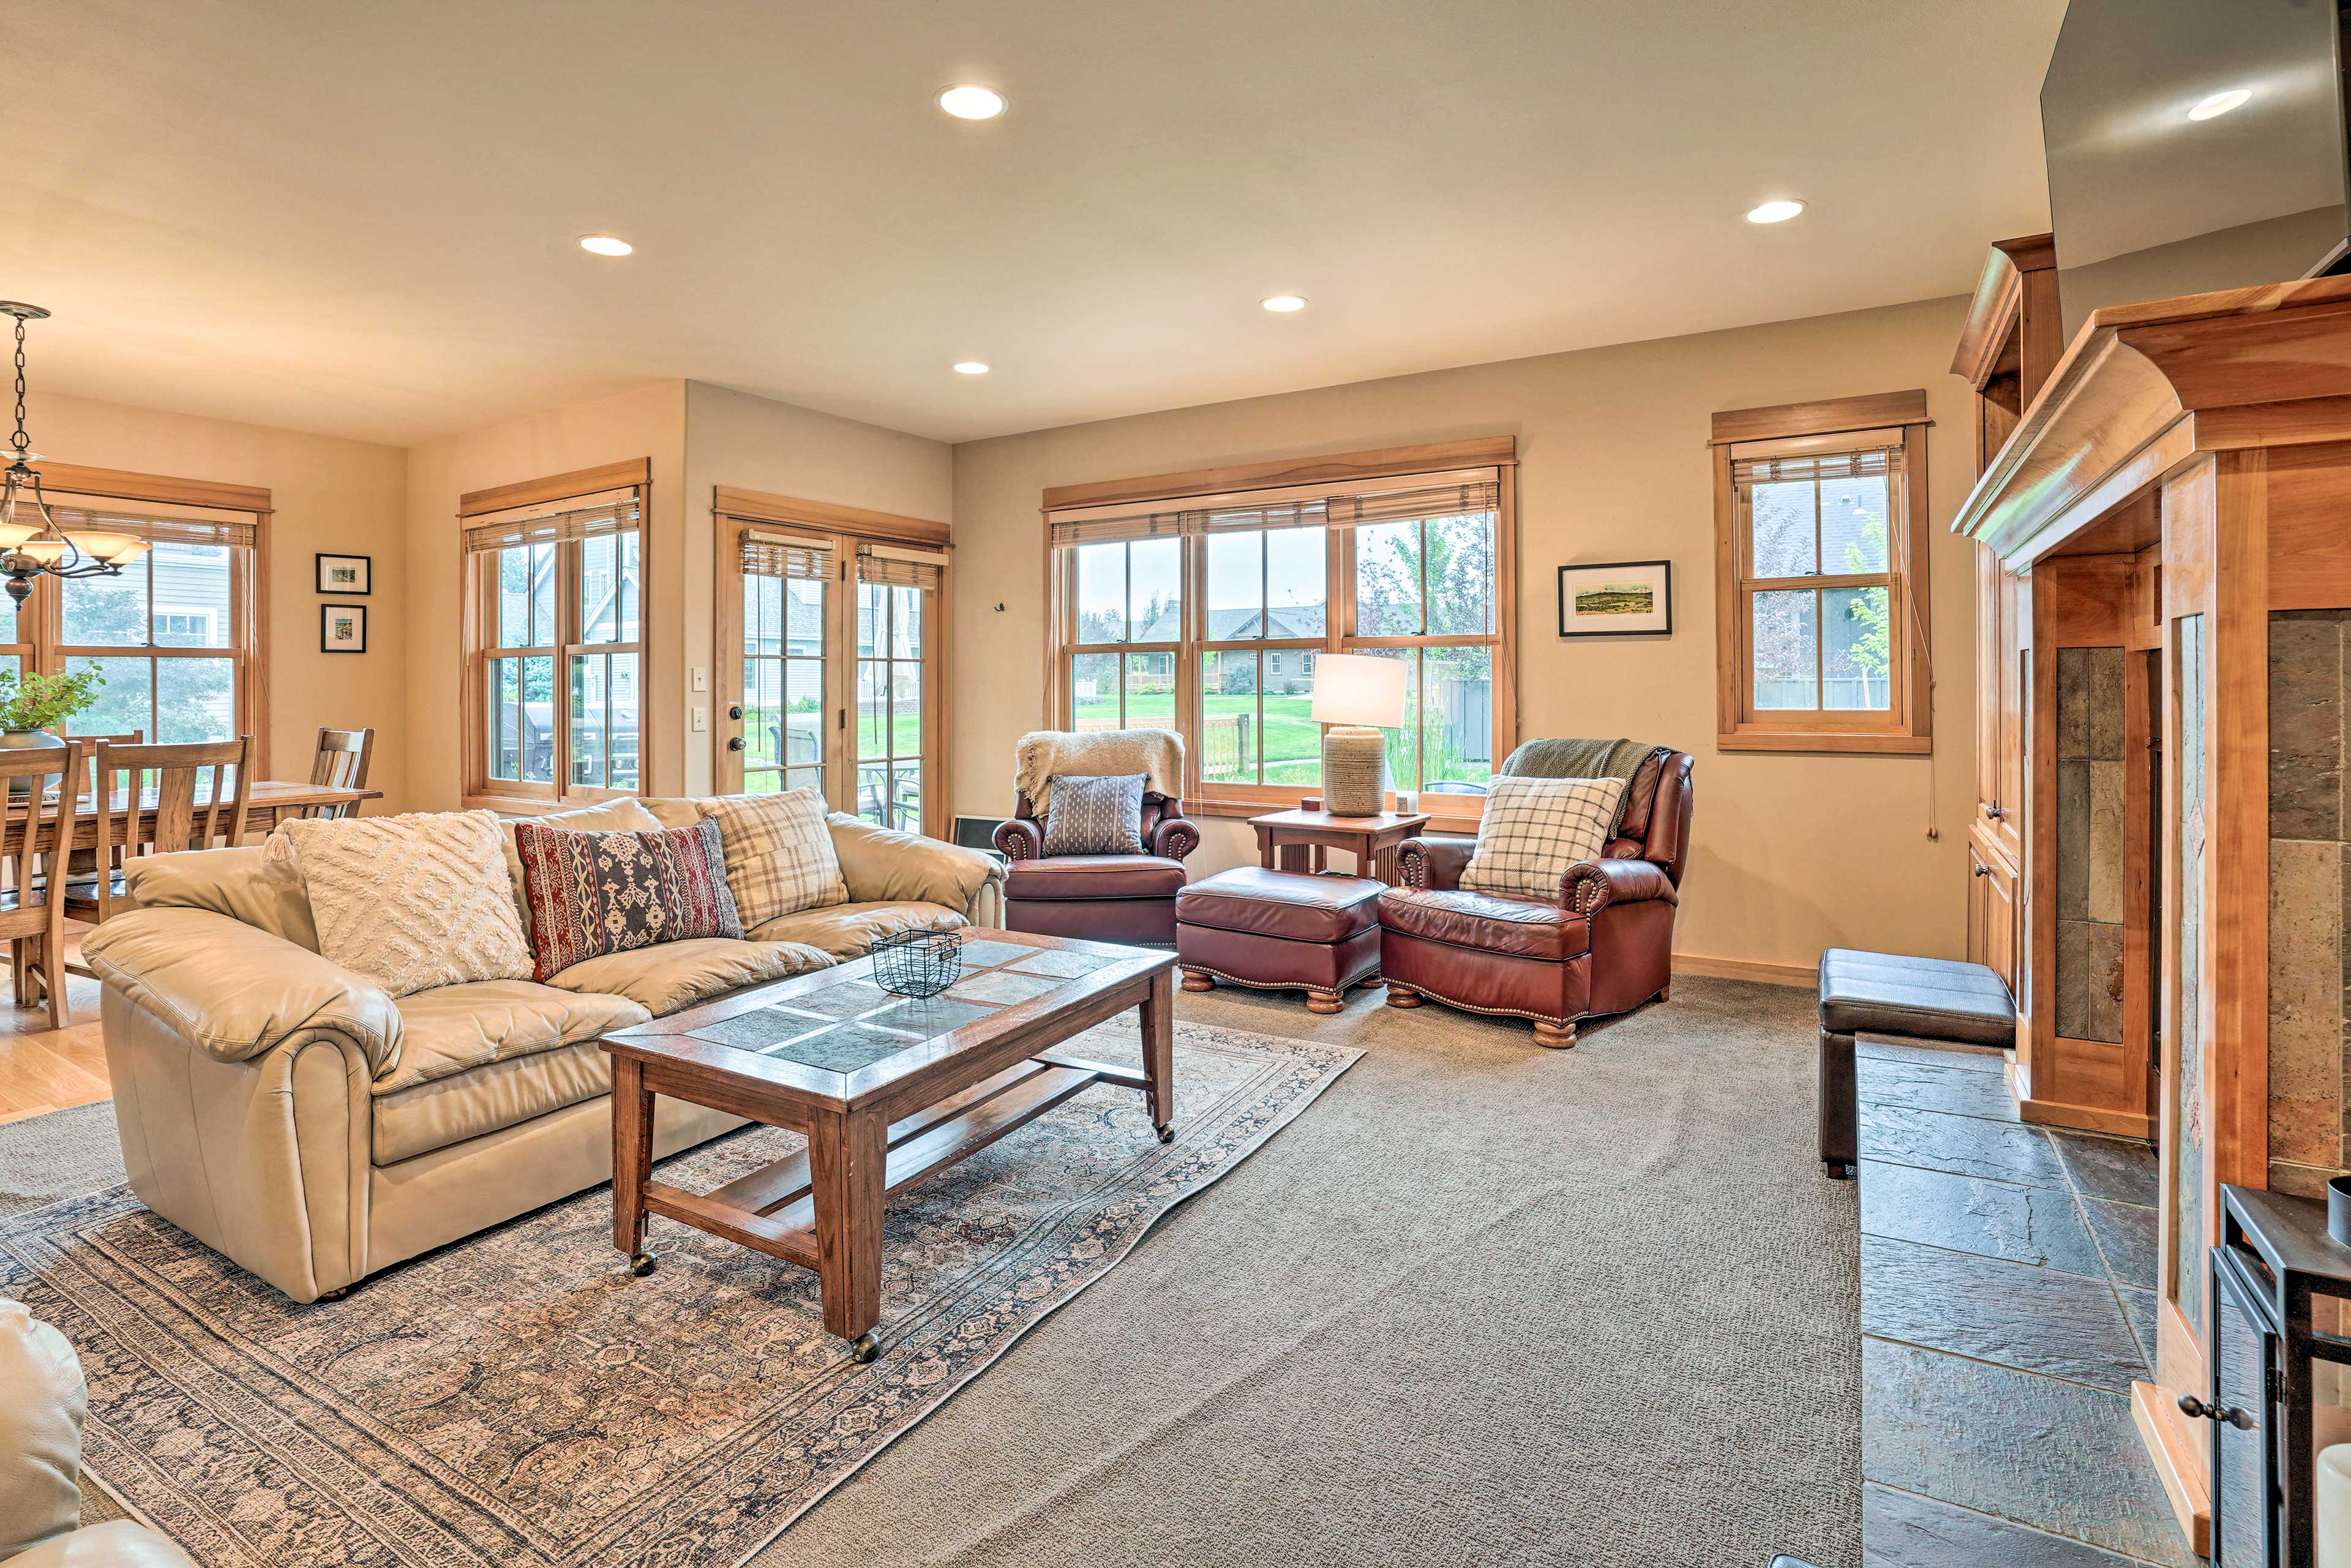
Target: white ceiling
(360, 219)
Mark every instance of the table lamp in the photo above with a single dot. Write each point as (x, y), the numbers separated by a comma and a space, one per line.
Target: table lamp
(1356, 697)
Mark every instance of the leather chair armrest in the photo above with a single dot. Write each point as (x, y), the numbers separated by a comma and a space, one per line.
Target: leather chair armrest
(234, 992)
(1174, 837)
(1019, 840)
(1433, 862)
(1589, 886)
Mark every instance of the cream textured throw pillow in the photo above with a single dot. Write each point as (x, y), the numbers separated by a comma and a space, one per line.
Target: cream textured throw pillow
(779, 855)
(1534, 829)
(411, 901)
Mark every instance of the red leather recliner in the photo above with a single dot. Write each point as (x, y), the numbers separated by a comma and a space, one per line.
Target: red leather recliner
(1603, 945)
(1103, 898)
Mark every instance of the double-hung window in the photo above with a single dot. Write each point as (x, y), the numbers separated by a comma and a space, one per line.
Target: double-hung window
(1822, 582)
(1204, 611)
(555, 651)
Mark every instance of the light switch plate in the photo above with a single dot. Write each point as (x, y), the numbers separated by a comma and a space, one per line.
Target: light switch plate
(700, 678)
(700, 719)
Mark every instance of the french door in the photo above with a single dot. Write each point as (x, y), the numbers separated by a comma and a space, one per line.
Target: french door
(829, 671)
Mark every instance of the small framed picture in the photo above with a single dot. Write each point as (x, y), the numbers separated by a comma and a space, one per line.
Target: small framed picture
(342, 628)
(1621, 599)
(345, 574)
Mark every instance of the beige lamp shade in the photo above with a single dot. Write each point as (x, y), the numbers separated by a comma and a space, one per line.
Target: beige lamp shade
(1357, 688)
(1357, 697)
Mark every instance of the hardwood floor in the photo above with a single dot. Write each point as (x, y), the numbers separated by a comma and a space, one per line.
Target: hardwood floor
(43, 1069)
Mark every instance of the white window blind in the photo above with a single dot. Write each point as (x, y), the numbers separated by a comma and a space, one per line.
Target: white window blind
(580, 523)
(786, 555)
(73, 521)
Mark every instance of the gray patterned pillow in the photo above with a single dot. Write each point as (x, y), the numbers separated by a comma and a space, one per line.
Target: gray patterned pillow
(1094, 815)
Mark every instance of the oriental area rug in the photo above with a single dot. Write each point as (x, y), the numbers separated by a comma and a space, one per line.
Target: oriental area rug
(518, 1399)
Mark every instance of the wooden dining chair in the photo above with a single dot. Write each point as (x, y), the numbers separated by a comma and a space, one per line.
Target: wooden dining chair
(135, 817)
(32, 909)
(341, 763)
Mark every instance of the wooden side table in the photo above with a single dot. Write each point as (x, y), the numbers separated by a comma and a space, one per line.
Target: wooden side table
(1300, 841)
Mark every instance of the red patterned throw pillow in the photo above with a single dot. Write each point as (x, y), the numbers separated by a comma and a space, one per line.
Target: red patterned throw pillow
(593, 893)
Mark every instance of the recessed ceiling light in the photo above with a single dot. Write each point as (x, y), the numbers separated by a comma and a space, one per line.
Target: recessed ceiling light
(970, 367)
(604, 245)
(1774, 212)
(971, 102)
(2220, 103)
(1285, 302)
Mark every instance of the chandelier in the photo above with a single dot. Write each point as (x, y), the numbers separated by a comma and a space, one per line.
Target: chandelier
(31, 543)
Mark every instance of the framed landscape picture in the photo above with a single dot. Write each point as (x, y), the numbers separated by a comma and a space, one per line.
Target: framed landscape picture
(345, 574)
(1625, 597)
(342, 628)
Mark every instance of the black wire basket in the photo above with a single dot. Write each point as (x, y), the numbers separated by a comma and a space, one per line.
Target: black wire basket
(918, 963)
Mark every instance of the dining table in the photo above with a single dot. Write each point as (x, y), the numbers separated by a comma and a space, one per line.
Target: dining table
(268, 802)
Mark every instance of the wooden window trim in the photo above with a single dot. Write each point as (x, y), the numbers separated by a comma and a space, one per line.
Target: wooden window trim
(525, 798)
(1907, 729)
(732, 512)
(248, 587)
(1336, 473)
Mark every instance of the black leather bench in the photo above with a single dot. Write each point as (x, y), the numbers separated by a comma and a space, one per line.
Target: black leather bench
(1887, 995)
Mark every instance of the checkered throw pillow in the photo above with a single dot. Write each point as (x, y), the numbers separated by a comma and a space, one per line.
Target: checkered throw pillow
(1094, 816)
(779, 856)
(1534, 829)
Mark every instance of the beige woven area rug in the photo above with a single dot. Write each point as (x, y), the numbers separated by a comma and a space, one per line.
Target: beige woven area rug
(518, 1399)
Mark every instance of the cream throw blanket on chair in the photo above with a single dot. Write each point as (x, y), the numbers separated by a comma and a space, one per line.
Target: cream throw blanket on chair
(1157, 754)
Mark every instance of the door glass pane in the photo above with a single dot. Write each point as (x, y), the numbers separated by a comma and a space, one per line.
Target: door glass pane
(1236, 584)
(1853, 525)
(763, 782)
(195, 699)
(906, 708)
(505, 740)
(1387, 579)
(1093, 691)
(1457, 717)
(1228, 722)
(1101, 593)
(1155, 590)
(1460, 573)
(589, 679)
(1787, 648)
(106, 612)
(1780, 525)
(803, 609)
(803, 778)
(1150, 691)
(1295, 586)
(874, 793)
(763, 718)
(1854, 655)
(127, 701)
(906, 622)
(872, 708)
(621, 741)
(536, 730)
(763, 615)
(907, 796)
(801, 724)
(191, 598)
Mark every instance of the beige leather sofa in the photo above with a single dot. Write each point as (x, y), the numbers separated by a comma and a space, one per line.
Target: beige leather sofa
(287, 1112)
(43, 1403)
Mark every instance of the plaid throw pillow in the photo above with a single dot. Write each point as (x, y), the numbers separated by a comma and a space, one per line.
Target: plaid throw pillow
(593, 893)
(779, 855)
(1534, 829)
(1094, 816)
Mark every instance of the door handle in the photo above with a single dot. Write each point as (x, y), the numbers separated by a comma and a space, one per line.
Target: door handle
(2228, 1415)
(1983, 870)
(734, 743)
(734, 710)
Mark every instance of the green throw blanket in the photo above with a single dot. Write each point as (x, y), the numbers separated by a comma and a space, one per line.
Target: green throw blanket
(1581, 759)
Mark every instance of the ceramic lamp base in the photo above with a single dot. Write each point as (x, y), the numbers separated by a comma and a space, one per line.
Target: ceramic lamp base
(1354, 760)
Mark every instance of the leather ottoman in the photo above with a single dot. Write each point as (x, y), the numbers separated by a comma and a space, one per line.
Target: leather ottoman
(1279, 930)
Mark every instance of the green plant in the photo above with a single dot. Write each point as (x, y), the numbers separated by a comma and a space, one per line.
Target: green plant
(36, 701)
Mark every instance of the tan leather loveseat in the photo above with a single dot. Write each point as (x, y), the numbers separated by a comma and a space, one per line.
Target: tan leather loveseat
(287, 1112)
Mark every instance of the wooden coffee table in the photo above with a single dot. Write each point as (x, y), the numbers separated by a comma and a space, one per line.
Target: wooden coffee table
(887, 1091)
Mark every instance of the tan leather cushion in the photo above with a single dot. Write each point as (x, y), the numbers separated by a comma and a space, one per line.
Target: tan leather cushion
(455, 1029)
(117, 1543)
(42, 1404)
(244, 884)
(673, 811)
(488, 1099)
(674, 975)
(622, 816)
(883, 865)
(1517, 928)
(850, 930)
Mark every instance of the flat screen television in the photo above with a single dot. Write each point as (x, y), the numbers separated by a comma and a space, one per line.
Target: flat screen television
(2163, 180)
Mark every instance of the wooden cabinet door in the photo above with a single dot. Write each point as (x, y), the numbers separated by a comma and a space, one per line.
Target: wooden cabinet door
(1991, 915)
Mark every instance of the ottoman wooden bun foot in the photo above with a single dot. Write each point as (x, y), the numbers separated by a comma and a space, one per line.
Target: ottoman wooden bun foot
(1322, 1001)
(1197, 980)
(1400, 998)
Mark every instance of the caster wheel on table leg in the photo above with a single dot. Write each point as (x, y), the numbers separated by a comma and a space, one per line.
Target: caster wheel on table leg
(1167, 1134)
(864, 1348)
(641, 1264)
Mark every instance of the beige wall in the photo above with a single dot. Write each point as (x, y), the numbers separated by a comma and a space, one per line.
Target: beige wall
(336, 496)
(1791, 853)
(757, 444)
(648, 422)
